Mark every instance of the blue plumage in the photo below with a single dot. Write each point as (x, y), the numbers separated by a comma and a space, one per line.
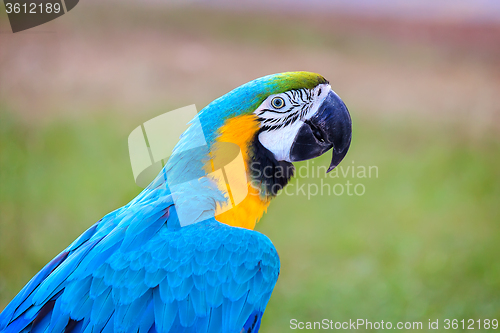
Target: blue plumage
(184, 278)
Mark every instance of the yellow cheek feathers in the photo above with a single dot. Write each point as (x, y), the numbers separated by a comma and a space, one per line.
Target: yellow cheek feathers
(240, 211)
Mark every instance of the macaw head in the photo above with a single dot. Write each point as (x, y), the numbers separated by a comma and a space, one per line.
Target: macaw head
(274, 121)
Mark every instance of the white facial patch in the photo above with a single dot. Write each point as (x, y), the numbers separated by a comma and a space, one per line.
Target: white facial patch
(281, 125)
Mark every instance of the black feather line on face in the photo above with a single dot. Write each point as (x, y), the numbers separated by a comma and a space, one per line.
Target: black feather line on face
(269, 174)
(300, 103)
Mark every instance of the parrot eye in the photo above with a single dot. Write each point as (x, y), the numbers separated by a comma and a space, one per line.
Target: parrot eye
(278, 102)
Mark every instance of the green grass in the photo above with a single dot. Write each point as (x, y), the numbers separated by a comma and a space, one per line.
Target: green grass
(56, 180)
(421, 243)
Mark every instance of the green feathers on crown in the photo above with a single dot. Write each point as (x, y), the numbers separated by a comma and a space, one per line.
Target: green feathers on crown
(296, 80)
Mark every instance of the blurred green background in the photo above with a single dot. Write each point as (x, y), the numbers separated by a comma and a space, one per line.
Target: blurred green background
(422, 242)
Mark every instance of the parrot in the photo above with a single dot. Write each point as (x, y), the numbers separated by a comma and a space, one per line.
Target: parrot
(183, 256)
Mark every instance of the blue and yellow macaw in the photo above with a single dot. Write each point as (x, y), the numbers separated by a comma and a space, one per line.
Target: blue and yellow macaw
(144, 268)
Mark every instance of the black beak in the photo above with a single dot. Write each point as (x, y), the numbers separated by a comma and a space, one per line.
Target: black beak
(330, 127)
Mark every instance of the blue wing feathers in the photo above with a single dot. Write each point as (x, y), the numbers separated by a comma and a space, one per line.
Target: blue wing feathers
(204, 256)
(182, 291)
(198, 300)
(103, 308)
(200, 282)
(97, 287)
(140, 233)
(146, 322)
(84, 237)
(211, 278)
(187, 315)
(253, 322)
(231, 311)
(136, 270)
(214, 296)
(59, 319)
(108, 327)
(165, 312)
(23, 298)
(152, 279)
(128, 315)
(198, 269)
(215, 321)
(185, 270)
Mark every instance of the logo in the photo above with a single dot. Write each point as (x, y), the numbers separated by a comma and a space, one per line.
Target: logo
(26, 14)
(159, 159)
